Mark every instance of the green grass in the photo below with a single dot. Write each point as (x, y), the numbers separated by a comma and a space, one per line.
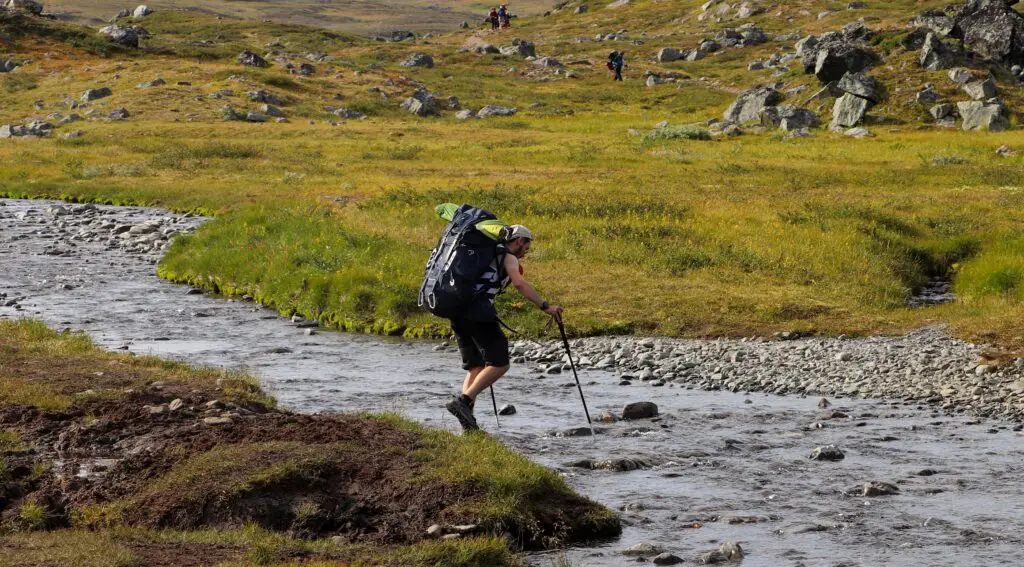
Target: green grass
(738, 236)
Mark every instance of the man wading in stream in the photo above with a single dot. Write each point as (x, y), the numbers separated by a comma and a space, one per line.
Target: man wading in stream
(475, 260)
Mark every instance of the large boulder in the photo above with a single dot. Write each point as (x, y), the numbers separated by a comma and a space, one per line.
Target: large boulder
(788, 118)
(669, 54)
(26, 6)
(836, 59)
(250, 59)
(848, 111)
(934, 54)
(992, 30)
(748, 105)
(124, 35)
(861, 85)
(418, 60)
(978, 115)
(806, 46)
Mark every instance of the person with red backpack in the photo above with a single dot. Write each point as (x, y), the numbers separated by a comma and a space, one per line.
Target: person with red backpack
(475, 260)
(493, 16)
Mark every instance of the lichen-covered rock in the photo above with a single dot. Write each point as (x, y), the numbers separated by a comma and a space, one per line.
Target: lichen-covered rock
(418, 60)
(861, 85)
(984, 116)
(934, 54)
(748, 105)
(981, 90)
(123, 35)
(992, 30)
(848, 111)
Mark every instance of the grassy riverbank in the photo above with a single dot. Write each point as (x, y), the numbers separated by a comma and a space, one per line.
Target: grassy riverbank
(174, 465)
(737, 236)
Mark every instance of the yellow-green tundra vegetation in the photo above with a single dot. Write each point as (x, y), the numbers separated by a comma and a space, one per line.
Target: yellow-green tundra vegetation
(731, 236)
(223, 477)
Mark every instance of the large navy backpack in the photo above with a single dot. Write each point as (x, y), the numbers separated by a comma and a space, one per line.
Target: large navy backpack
(456, 264)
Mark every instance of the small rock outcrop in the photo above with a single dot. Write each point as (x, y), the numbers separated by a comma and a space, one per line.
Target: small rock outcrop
(495, 110)
(418, 60)
(25, 6)
(981, 90)
(96, 94)
(669, 54)
(986, 116)
(848, 111)
(35, 129)
(124, 35)
(748, 105)
(250, 59)
(788, 118)
(861, 85)
(934, 54)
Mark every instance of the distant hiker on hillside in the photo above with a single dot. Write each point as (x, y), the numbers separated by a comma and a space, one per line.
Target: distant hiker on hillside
(505, 16)
(493, 16)
(476, 258)
(616, 61)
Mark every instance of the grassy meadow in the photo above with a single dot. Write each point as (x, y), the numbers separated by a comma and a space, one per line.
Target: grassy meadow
(635, 234)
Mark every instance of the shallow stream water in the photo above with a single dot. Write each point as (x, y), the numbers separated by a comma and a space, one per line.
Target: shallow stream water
(734, 464)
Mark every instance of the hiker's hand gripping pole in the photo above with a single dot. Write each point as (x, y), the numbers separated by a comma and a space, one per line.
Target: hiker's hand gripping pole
(565, 343)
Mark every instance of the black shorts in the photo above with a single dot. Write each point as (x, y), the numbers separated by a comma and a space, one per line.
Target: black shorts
(481, 343)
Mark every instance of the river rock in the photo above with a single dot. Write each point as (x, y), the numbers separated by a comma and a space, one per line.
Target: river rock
(666, 559)
(640, 410)
(827, 453)
(848, 111)
(978, 115)
(748, 105)
(643, 550)
(861, 85)
(934, 54)
(418, 60)
(981, 90)
(507, 409)
(875, 488)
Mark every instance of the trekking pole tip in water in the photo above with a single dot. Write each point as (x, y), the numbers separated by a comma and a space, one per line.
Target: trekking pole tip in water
(568, 353)
(494, 401)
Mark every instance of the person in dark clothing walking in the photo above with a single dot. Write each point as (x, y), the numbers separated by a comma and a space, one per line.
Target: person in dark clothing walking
(494, 18)
(482, 344)
(618, 62)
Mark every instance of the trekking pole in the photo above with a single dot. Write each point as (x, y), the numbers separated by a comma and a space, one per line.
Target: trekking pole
(495, 403)
(565, 342)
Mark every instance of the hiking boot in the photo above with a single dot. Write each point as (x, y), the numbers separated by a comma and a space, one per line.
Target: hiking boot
(461, 410)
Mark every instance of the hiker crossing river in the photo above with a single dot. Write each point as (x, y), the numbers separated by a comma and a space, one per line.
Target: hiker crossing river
(476, 258)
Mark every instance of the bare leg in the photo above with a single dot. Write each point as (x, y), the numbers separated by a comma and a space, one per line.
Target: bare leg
(484, 380)
(470, 377)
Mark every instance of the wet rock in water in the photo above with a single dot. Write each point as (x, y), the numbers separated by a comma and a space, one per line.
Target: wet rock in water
(643, 550)
(727, 552)
(507, 409)
(666, 559)
(827, 453)
(875, 488)
(640, 410)
(577, 432)
(824, 403)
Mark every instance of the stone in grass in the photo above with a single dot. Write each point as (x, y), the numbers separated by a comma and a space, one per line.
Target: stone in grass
(827, 453)
(640, 410)
(875, 488)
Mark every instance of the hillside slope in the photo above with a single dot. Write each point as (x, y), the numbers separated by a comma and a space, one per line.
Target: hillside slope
(744, 229)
